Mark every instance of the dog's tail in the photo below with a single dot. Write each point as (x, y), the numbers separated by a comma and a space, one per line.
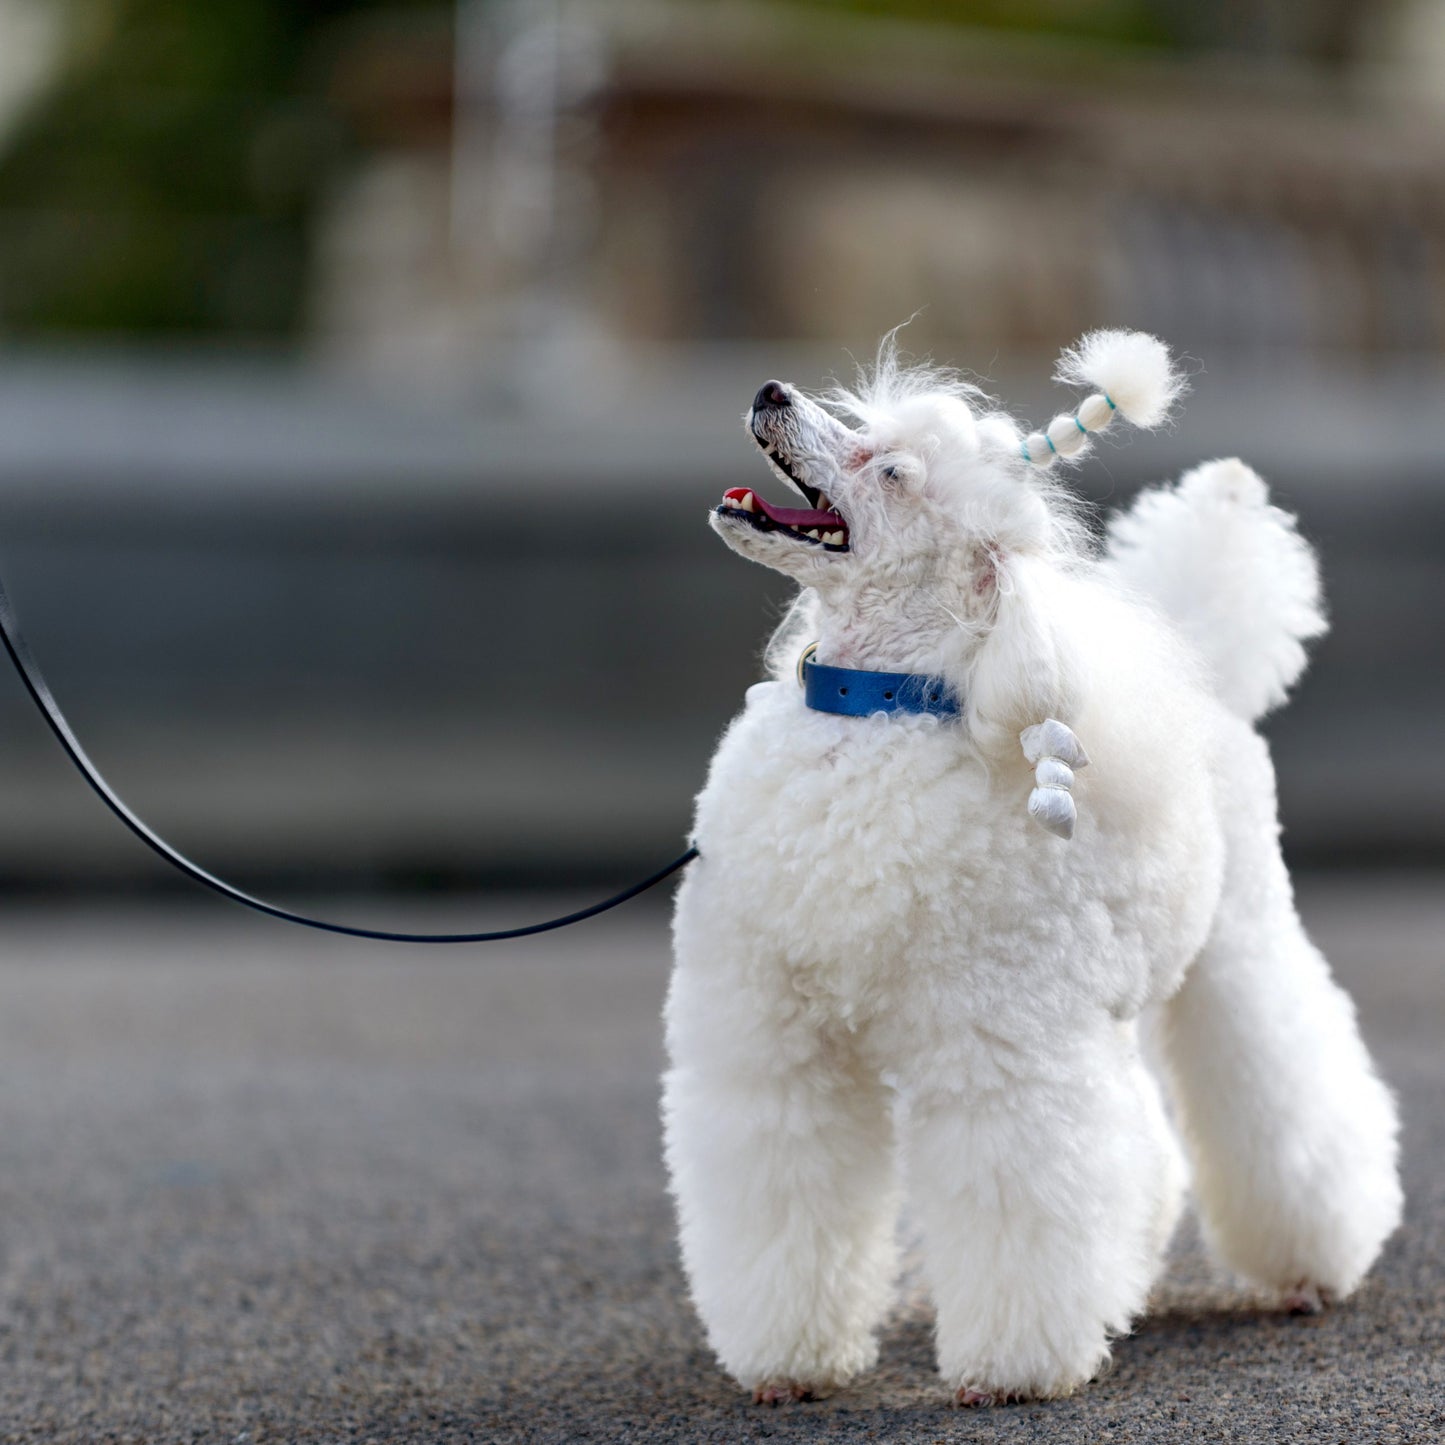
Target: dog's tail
(1232, 572)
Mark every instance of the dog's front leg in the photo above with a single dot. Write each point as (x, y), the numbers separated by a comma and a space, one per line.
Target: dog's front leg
(1045, 1206)
(780, 1151)
(1057, 754)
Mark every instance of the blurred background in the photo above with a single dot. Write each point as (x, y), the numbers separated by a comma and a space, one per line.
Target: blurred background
(367, 369)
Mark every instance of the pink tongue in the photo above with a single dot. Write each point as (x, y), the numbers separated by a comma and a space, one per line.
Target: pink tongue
(789, 516)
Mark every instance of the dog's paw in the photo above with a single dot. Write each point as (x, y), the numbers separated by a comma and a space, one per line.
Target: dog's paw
(774, 1392)
(966, 1397)
(1056, 754)
(1307, 1299)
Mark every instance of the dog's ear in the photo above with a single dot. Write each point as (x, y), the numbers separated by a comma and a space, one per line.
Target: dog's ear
(1135, 378)
(1030, 664)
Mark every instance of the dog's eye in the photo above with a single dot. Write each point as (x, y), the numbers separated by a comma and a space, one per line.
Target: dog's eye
(890, 474)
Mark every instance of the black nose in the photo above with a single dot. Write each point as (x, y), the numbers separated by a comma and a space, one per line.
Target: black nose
(770, 393)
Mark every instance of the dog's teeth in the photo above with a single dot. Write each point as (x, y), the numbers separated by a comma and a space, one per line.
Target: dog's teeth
(747, 503)
(834, 538)
(813, 533)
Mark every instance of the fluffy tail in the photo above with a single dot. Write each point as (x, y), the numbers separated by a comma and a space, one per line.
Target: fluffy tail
(1233, 574)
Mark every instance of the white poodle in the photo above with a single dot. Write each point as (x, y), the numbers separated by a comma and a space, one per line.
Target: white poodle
(1009, 810)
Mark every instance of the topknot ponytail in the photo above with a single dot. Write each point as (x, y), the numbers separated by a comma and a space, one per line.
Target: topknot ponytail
(1134, 377)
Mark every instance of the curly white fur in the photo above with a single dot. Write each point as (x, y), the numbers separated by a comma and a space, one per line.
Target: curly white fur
(885, 969)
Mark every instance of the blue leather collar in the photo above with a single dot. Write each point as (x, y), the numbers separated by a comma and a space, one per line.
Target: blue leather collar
(852, 692)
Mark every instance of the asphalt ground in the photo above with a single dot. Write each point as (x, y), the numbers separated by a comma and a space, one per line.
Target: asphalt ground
(258, 1185)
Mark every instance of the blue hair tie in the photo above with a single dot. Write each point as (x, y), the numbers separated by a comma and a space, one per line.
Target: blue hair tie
(1081, 426)
(1050, 441)
(1024, 450)
(1110, 400)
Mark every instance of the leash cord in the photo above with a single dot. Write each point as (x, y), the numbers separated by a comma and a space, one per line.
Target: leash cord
(39, 690)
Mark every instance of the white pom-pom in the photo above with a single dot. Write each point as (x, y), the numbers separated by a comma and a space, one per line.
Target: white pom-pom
(1053, 739)
(1096, 413)
(1068, 437)
(1131, 368)
(1054, 773)
(1057, 752)
(1053, 809)
(1037, 449)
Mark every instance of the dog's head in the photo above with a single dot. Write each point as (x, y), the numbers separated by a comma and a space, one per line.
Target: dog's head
(889, 495)
(913, 480)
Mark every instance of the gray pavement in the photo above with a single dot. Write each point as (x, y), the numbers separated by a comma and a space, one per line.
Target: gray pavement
(263, 1186)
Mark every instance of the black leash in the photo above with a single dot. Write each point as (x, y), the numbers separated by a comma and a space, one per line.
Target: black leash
(39, 689)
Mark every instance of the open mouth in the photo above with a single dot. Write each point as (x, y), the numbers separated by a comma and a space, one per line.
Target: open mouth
(818, 525)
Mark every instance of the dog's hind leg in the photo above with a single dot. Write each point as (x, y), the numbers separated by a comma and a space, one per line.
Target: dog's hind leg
(1291, 1132)
(1046, 1207)
(780, 1150)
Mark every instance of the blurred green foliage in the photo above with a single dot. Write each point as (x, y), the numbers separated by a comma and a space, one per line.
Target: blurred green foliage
(168, 180)
(1325, 31)
(1129, 22)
